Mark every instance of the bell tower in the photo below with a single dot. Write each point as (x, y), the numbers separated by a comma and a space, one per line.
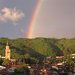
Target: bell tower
(7, 51)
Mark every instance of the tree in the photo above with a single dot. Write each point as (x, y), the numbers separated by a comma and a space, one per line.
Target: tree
(6, 63)
(1, 61)
(68, 60)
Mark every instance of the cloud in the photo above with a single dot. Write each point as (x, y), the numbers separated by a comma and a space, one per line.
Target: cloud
(8, 14)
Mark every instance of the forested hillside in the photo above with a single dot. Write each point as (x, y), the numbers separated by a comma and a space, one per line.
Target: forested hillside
(38, 47)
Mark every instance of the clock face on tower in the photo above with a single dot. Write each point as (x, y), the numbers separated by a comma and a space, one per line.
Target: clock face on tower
(8, 52)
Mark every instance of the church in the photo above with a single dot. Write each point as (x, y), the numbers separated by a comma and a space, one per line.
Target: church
(7, 52)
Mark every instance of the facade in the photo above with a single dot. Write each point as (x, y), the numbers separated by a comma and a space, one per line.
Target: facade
(7, 52)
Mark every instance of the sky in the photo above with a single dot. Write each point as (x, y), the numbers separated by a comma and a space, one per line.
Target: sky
(55, 18)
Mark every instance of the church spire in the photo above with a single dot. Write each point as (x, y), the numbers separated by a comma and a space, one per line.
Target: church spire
(7, 44)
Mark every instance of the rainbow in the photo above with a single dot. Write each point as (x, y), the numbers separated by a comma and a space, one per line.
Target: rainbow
(33, 19)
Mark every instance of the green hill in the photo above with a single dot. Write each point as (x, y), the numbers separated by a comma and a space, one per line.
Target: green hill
(38, 47)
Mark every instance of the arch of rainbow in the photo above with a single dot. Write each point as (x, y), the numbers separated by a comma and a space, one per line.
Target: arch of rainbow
(33, 19)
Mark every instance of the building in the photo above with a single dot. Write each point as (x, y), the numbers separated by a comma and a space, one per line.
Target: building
(7, 52)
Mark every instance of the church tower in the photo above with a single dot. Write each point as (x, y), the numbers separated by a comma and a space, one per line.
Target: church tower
(7, 52)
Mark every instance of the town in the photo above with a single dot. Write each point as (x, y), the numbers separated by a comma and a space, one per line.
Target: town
(58, 65)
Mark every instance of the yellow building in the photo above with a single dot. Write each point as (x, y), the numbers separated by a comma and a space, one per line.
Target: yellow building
(7, 52)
